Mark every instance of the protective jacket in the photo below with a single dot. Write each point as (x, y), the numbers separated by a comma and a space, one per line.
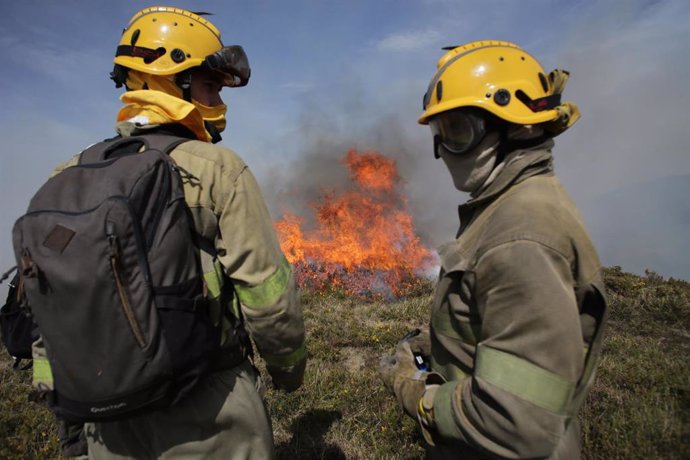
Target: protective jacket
(517, 319)
(246, 275)
(228, 209)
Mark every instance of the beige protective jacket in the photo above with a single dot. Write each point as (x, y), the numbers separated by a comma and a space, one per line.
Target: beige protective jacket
(229, 210)
(517, 320)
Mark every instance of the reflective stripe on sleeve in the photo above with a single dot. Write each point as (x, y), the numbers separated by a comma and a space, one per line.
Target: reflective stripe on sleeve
(524, 379)
(214, 280)
(288, 360)
(42, 373)
(444, 421)
(268, 292)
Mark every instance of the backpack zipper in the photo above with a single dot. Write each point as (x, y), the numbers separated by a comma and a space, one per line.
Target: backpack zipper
(121, 291)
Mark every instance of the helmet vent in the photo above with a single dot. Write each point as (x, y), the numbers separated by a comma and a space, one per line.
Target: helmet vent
(135, 37)
(501, 59)
(439, 91)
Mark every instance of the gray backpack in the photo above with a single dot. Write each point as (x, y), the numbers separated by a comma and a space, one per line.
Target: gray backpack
(110, 271)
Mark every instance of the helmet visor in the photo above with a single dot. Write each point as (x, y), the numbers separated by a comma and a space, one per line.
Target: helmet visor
(232, 62)
(458, 130)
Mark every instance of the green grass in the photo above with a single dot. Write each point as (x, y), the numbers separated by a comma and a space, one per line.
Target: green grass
(639, 407)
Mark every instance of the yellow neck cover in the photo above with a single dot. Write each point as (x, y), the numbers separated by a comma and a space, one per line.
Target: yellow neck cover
(155, 100)
(150, 107)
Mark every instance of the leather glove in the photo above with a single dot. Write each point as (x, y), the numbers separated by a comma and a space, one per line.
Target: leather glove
(425, 414)
(420, 343)
(568, 112)
(401, 375)
(288, 379)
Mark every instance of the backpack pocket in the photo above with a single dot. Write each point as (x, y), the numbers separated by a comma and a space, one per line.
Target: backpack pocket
(190, 335)
(94, 304)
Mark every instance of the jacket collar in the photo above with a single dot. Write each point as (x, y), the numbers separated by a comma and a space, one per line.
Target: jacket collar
(126, 129)
(520, 164)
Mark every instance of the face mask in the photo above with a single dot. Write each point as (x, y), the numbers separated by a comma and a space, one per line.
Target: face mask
(214, 115)
(471, 169)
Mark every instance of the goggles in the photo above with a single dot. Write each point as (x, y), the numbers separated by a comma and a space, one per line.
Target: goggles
(458, 130)
(232, 62)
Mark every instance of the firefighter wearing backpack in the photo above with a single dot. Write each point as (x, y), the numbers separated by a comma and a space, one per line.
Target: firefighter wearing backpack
(518, 313)
(173, 64)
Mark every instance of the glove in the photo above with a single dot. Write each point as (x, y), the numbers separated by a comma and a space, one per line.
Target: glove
(403, 378)
(568, 112)
(425, 414)
(558, 79)
(288, 379)
(420, 343)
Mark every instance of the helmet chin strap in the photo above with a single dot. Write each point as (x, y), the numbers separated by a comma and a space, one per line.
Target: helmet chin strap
(213, 131)
(184, 81)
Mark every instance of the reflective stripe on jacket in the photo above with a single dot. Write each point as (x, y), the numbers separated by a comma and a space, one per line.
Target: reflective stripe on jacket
(231, 211)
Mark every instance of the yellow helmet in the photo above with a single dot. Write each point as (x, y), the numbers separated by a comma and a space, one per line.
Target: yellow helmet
(496, 76)
(162, 40)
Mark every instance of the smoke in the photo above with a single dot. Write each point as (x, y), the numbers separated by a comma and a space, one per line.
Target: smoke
(325, 138)
(629, 74)
(629, 67)
(626, 161)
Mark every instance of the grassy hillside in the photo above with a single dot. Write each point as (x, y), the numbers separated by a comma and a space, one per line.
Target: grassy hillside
(639, 407)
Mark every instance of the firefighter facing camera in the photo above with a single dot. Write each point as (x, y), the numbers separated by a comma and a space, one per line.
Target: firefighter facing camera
(518, 313)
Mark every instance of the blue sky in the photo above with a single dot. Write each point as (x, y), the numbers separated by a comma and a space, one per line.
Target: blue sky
(330, 75)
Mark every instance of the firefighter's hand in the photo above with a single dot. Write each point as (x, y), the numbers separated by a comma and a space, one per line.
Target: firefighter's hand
(403, 379)
(402, 376)
(287, 379)
(420, 343)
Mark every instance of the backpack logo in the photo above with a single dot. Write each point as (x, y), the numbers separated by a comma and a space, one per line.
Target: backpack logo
(58, 238)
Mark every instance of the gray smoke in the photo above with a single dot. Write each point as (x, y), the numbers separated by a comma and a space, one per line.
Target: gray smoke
(325, 140)
(629, 72)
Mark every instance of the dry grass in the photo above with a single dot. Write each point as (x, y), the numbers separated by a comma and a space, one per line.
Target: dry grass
(639, 407)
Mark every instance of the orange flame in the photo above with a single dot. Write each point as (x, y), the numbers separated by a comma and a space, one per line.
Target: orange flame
(364, 243)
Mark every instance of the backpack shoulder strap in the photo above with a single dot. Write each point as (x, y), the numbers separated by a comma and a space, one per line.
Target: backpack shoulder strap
(110, 148)
(165, 143)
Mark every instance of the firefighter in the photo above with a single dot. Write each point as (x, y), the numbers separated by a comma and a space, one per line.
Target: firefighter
(173, 65)
(519, 308)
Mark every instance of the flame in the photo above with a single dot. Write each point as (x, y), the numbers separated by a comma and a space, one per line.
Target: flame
(364, 243)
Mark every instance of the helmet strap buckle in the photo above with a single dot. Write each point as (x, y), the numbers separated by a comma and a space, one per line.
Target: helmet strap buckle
(437, 144)
(184, 81)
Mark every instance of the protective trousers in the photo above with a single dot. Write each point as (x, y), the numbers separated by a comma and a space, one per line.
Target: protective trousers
(223, 418)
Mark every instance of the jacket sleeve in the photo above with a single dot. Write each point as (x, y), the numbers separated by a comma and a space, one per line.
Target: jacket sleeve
(248, 249)
(528, 362)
